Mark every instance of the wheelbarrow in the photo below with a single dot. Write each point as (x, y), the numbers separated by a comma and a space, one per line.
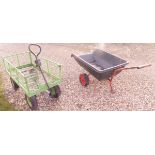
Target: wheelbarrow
(102, 65)
(33, 75)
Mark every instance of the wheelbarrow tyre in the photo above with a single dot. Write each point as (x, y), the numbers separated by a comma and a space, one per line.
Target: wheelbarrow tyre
(57, 92)
(32, 102)
(84, 79)
(14, 84)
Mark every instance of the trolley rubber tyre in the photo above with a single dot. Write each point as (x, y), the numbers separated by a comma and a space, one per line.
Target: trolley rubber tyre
(55, 92)
(84, 79)
(14, 84)
(32, 102)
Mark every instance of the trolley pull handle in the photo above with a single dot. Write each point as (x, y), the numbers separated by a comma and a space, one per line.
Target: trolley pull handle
(30, 49)
(38, 62)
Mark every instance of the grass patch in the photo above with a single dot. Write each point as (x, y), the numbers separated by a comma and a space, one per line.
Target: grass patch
(4, 104)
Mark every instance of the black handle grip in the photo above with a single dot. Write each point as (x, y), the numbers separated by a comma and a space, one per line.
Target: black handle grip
(30, 46)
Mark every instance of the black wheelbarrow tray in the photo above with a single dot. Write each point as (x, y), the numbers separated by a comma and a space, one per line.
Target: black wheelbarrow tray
(102, 65)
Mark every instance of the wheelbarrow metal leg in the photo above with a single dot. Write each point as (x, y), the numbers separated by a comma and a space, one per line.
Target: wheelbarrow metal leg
(114, 73)
(110, 83)
(91, 80)
(96, 85)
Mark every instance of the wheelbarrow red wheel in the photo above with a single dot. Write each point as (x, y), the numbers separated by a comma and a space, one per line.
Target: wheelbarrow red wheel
(32, 102)
(84, 79)
(55, 92)
(14, 84)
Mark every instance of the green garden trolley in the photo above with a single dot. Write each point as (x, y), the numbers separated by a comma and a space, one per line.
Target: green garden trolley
(33, 75)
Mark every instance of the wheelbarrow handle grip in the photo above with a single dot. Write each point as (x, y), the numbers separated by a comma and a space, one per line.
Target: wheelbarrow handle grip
(36, 55)
(140, 67)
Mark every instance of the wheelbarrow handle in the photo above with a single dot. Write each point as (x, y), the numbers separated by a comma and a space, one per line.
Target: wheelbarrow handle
(144, 66)
(36, 55)
(117, 71)
(139, 67)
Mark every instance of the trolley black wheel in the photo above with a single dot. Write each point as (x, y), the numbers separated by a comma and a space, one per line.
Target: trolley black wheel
(32, 102)
(14, 84)
(84, 79)
(55, 92)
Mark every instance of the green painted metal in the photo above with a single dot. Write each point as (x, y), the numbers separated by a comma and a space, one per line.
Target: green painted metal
(53, 91)
(24, 66)
(16, 72)
(28, 101)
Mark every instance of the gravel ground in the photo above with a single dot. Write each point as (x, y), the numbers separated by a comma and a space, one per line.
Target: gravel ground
(134, 89)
